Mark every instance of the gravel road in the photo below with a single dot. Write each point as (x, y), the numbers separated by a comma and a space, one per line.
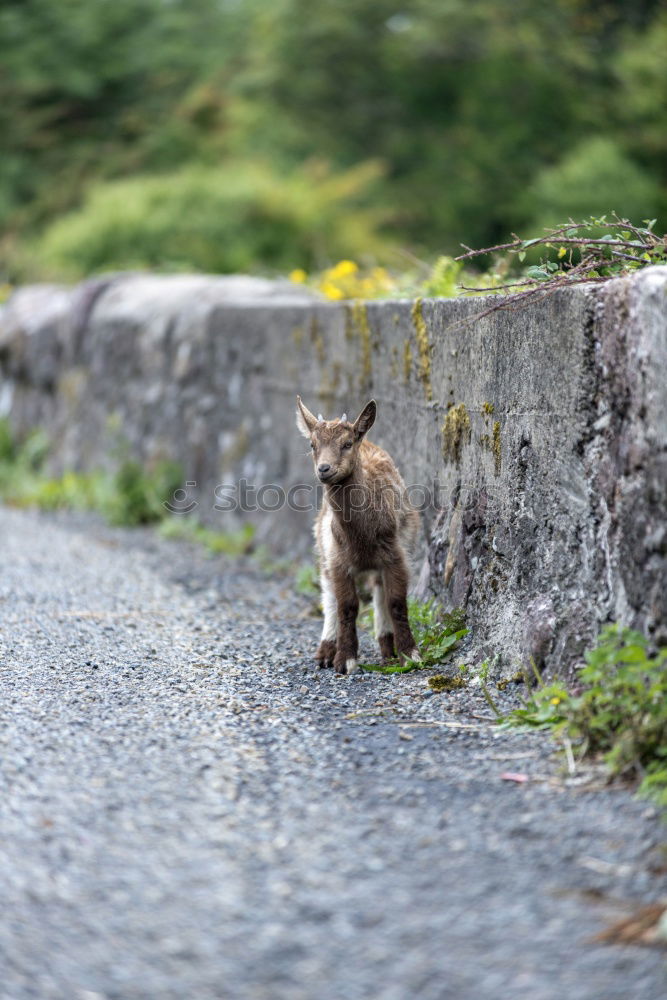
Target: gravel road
(188, 809)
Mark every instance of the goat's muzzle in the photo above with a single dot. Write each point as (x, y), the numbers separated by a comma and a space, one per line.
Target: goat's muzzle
(325, 473)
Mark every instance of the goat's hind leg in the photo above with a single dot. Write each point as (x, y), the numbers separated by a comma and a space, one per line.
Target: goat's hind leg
(395, 579)
(326, 650)
(384, 628)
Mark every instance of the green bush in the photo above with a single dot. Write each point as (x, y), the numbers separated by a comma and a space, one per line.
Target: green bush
(7, 449)
(594, 178)
(138, 494)
(230, 543)
(436, 633)
(131, 495)
(232, 219)
(619, 713)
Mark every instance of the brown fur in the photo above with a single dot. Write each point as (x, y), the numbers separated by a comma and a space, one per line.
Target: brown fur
(364, 526)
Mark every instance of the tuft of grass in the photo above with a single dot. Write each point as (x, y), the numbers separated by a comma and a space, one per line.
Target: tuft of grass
(437, 634)
(130, 495)
(617, 712)
(230, 543)
(137, 494)
(307, 581)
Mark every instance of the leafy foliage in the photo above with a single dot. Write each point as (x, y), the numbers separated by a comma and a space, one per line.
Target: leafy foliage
(131, 495)
(618, 711)
(346, 280)
(594, 178)
(306, 580)
(446, 279)
(576, 253)
(216, 220)
(437, 633)
(137, 495)
(230, 543)
(485, 117)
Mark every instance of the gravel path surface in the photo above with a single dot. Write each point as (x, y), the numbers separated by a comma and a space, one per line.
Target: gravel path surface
(189, 810)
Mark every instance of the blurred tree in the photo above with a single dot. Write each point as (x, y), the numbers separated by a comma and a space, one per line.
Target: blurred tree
(217, 220)
(465, 102)
(95, 87)
(594, 178)
(640, 107)
(478, 109)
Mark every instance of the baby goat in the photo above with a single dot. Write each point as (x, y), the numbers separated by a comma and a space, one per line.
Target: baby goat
(364, 526)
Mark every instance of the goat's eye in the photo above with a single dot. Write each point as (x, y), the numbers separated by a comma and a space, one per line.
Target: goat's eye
(347, 446)
(312, 445)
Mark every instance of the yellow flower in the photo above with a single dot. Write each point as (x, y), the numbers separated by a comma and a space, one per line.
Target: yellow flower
(332, 291)
(343, 268)
(561, 252)
(555, 701)
(298, 276)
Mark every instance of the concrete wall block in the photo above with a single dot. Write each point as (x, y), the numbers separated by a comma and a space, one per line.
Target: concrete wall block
(535, 439)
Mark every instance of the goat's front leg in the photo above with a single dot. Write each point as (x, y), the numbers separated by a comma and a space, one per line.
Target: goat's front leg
(327, 648)
(396, 594)
(347, 644)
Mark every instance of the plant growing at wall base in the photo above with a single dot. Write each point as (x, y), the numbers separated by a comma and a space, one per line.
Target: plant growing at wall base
(138, 493)
(618, 710)
(437, 634)
(239, 542)
(132, 494)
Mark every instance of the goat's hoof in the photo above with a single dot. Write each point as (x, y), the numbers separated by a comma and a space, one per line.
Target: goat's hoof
(345, 665)
(326, 653)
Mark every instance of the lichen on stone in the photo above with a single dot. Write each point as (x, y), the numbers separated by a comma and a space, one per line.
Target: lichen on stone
(496, 448)
(455, 432)
(320, 350)
(441, 683)
(517, 678)
(488, 409)
(298, 334)
(363, 330)
(491, 442)
(330, 383)
(71, 385)
(407, 361)
(423, 348)
(349, 323)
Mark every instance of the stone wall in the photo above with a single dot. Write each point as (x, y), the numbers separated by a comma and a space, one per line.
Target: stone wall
(536, 438)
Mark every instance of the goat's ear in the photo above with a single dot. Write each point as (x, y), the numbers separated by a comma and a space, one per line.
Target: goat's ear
(365, 420)
(305, 420)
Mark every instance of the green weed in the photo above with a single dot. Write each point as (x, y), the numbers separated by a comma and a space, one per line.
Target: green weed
(437, 634)
(231, 543)
(132, 494)
(307, 581)
(617, 712)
